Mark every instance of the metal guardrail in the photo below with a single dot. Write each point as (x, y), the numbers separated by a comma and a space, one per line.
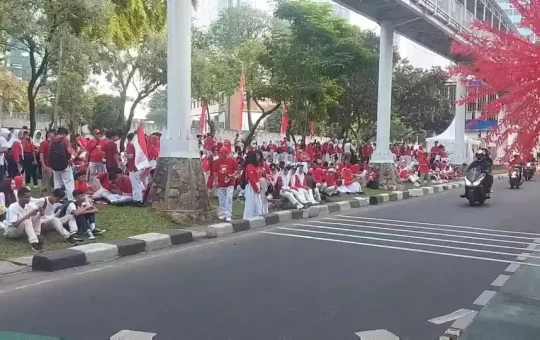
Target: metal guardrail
(456, 16)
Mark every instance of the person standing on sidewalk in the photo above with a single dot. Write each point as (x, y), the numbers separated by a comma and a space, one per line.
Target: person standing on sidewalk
(137, 185)
(224, 171)
(95, 156)
(60, 152)
(46, 170)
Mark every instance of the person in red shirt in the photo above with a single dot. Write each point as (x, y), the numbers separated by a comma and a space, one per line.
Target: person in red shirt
(29, 159)
(14, 154)
(114, 187)
(224, 173)
(367, 151)
(94, 156)
(135, 175)
(272, 148)
(153, 146)
(434, 152)
(112, 156)
(209, 143)
(81, 184)
(423, 165)
(250, 178)
(329, 185)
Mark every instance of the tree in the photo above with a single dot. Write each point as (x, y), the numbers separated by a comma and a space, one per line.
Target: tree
(158, 108)
(506, 64)
(307, 59)
(419, 99)
(12, 92)
(273, 122)
(105, 112)
(37, 34)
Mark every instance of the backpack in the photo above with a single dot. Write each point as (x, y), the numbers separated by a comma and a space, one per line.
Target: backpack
(59, 156)
(62, 209)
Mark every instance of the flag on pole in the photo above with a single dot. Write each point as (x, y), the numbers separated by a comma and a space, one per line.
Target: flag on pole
(203, 119)
(284, 120)
(242, 96)
(141, 152)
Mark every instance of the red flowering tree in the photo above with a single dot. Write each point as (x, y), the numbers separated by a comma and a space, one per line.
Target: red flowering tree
(509, 66)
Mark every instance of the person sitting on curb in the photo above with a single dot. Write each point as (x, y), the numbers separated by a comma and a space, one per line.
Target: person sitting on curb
(25, 219)
(84, 214)
(50, 219)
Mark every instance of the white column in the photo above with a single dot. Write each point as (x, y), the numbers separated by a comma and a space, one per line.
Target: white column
(178, 141)
(382, 152)
(459, 156)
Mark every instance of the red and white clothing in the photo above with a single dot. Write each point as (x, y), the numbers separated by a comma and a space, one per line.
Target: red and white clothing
(349, 185)
(224, 170)
(300, 188)
(252, 193)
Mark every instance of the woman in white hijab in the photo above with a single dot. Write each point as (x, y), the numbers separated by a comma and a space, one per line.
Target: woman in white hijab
(14, 154)
(37, 139)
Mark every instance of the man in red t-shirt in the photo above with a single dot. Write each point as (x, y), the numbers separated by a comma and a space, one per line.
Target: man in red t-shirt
(46, 170)
(112, 156)
(224, 172)
(137, 184)
(94, 157)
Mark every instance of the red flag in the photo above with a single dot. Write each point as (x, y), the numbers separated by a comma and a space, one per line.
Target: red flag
(284, 120)
(242, 96)
(141, 151)
(312, 128)
(203, 119)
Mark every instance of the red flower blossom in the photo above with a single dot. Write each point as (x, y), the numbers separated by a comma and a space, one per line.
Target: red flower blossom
(509, 65)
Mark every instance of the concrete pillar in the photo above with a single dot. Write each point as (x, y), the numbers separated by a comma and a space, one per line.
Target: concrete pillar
(179, 141)
(382, 152)
(459, 156)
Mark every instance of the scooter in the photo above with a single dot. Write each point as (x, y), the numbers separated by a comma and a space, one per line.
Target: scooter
(474, 187)
(516, 178)
(528, 173)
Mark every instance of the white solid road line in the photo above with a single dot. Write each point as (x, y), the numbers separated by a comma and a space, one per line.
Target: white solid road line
(451, 317)
(399, 248)
(132, 335)
(443, 225)
(408, 242)
(422, 232)
(411, 236)
(531, 239)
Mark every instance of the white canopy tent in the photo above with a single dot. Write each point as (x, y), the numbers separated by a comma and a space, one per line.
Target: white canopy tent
(448, 139)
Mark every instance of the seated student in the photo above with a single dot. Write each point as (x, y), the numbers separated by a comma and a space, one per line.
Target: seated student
(50, 215)
(82, 184)
(114, 187)
(349, 186)
(25, 219)
(328, 186)
(84, 214)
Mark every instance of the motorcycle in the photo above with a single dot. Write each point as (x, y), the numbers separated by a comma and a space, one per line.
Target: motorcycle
(474, 188)
(528, 173)
(516, 177)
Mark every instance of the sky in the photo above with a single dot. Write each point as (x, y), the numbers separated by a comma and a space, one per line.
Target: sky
(416, 54)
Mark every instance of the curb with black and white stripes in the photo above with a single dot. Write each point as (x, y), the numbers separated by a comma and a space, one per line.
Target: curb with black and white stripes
(100, 252)
(221, 229)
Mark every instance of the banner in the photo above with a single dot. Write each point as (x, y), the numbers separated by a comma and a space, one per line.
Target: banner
(203, 120)
(141, 152)
(284, 120)
(242, 96)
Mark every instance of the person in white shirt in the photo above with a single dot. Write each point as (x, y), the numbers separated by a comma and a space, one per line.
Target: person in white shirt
(3, 150)
(25, 219)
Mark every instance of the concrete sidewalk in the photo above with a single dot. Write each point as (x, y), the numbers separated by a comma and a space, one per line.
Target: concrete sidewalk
(514, 312)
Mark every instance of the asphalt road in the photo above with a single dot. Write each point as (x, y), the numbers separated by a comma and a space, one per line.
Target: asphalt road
(393, 267)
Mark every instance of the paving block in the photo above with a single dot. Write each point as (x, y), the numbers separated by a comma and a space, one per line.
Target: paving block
(323, 209)
(355, 204)
(98, 252)
(447, 186)
(406, 194)
(416, 192)
(333, 207)
(240, 225)
(51, 261)
(154, 240)
(257, 222)
(179, 236)
(364, 201)
(398, 196)
(377, 199)
(299, 214)
(219, 229)
(437, 188)
(344, 205)
(428, 190)
(129, 246)
(385, 197)
(271, 218)
(284, 215)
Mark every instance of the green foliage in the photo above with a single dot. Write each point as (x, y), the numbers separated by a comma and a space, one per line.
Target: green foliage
(419, 99)
(158, 108)
(105, 112)
(12, 92)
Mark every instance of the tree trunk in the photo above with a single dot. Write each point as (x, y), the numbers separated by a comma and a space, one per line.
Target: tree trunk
(127, 127)
(249, 137)
(248, 108)
(32, 106)
(122, 109)
(209, 119)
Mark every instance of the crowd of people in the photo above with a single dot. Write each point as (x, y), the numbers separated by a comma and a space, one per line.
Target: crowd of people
(76, 176)
(304, 174)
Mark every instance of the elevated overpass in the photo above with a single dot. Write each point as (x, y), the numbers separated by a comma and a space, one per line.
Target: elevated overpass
(433, 24)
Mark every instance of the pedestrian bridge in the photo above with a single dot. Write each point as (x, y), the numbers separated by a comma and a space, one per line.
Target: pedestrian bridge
(432, 23)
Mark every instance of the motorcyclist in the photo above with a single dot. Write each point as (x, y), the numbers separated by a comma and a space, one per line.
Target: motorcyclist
(483, 163)
(516, 160)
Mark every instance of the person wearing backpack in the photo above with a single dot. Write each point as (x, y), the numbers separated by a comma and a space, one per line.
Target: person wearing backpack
(59, 155)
